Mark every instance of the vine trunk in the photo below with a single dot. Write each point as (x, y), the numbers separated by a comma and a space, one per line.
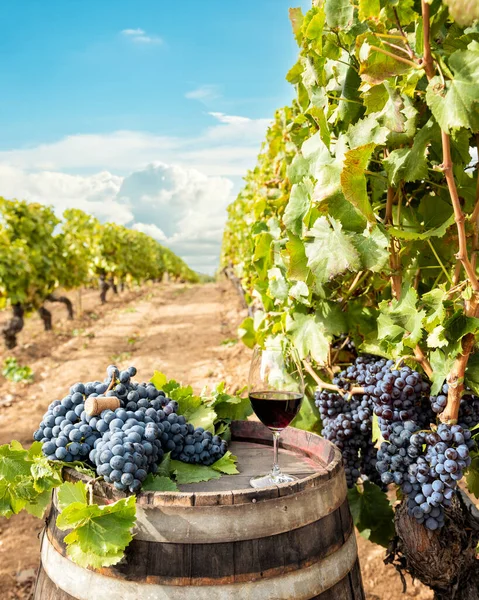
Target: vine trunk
(445, 561)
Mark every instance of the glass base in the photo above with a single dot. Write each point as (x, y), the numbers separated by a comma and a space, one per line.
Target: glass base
(269, 480)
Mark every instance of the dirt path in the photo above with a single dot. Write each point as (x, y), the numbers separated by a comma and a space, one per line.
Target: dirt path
(185, 331)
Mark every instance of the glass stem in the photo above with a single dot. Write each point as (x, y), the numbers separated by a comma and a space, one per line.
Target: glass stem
(276, 470)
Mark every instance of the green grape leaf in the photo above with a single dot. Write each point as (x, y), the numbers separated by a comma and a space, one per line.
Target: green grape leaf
(472, 475)
(339, 13)
(434, 301)
(400, 322)
(456, 104)
(372, 513)
(353, 180)
(404, 234)
(375, 98)
(297, 207)
(365, 131)
(13, 461)
(472, 373)
(375, 66)
(11, 501)
(308, 336)
(38, 506)
(410, 164)
(159, 483)
(246, 332)
(99, 534)
(71, 492)
(186, 473)
(193, 408)
(368, 9)
(372, 247)
(331, 252)
(278, 286)
(226, 464)
(159, 380)
(298, 261)
(437, 337)
(164, 468)
(441, 364)
(308, 418)
(234, 411)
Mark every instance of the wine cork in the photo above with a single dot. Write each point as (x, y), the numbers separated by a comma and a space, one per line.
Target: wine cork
(94, 406)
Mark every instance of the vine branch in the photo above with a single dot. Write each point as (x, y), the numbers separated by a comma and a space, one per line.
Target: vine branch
(455, 378)
(330, 386)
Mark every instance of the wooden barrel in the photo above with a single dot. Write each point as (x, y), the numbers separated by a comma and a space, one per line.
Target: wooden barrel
(225, 540)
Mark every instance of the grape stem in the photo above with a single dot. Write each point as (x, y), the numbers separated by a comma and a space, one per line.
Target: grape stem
(112, 383)
(330, 386)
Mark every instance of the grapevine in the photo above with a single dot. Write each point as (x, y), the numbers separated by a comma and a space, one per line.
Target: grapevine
(40, 254)
(356, 237)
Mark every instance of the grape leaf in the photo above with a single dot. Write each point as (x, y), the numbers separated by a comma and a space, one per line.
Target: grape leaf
(10, 501)
(372, 247)
(159, 380)
(99, 534)
(226, 464)
(339, 13)
(456, 104)
(38, 506)
(410, 164)
(196, 412)
(164, 468)
(159, 483)
(472, 373)
(246, 332)
(372, 513)
(297, 207)
(404, 234)
(365, 131)
(186, 473)
(308, 336)
(353, 180)
(331, 252)
(368, 9)
(71, 492)
(472, 475)
(400, 322)
(13, 461)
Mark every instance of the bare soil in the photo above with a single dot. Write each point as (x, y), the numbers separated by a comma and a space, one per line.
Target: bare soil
(188, 332)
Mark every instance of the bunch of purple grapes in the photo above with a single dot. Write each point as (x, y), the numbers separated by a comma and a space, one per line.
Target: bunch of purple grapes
(426, 463)
(348, 424)
(126, 444)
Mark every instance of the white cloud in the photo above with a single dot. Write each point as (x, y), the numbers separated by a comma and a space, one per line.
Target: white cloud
(174, 189)
(204, 92)
(133, 32)
(228, 148)
(150, 229)
(139, 36)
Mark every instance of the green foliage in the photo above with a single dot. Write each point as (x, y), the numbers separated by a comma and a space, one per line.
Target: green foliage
(348, 205)
(99, 533)
(26, 479)
(211, 410)
(372, 513)
(311, 218)
(15, 372)
(40, 253)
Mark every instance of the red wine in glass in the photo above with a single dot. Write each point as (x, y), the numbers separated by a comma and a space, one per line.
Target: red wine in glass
(275, 389)
(276, 410)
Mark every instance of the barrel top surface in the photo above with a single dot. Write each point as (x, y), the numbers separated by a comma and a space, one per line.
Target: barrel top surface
(311, 458)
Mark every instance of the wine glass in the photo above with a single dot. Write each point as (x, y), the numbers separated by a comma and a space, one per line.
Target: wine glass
(276, 390)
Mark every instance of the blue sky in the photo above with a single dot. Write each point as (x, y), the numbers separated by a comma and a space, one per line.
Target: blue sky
(95, 93)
